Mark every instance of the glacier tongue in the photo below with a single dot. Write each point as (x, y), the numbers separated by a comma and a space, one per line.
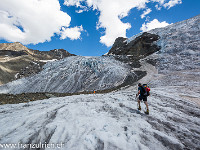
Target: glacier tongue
(73, 74)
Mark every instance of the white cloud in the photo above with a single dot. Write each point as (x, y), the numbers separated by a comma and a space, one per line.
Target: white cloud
(36, 21)
(161, 2)
(146, 12)
(167, 4)
(158, 7)
(172, 3)
(31, 21)
(76, 3)
(111, 13)
(72, 33)
(152, 25)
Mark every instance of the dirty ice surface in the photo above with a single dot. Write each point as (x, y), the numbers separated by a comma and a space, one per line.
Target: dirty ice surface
(105, 121)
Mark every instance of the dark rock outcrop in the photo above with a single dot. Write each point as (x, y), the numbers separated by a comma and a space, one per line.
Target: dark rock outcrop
(141, 46)
(31, 69)
(11, 53)
(131, 52)
(52, 54)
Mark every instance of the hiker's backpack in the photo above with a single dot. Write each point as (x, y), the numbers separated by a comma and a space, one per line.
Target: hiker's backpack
(146, 90)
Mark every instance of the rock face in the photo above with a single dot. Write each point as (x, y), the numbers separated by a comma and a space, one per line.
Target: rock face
(141, 46)
(17, 61)
(131, 51)
(12, 53)
(52, 54)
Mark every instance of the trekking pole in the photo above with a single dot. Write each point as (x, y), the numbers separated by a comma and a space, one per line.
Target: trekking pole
(136, 100)
(136, 97)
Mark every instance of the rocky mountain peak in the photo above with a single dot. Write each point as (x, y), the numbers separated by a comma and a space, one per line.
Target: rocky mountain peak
(18, 61)
(141, 46)
(16, 46)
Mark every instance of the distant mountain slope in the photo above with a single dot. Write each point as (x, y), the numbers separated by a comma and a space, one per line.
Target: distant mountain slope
(17, 46)
(17, 61)
(74, 74)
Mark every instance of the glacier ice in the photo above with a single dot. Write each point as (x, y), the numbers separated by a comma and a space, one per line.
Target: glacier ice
(104, 121)
(73, 74)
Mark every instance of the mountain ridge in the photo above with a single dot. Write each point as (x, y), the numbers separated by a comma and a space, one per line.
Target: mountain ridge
(15, 46)
(18, 61)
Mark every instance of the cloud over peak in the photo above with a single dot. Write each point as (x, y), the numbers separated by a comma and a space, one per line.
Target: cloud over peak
(112, 11)
(152, 25)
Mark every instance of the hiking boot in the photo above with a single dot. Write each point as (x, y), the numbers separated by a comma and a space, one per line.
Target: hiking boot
(147, 112)
(139, 108)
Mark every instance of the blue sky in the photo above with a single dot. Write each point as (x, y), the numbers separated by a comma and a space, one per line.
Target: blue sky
(51, 24)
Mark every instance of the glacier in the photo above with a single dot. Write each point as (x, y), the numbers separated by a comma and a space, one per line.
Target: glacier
(180, 46)
(73, 74)
(104, 121)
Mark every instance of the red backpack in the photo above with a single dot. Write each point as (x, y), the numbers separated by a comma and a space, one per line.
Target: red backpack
(147, 89)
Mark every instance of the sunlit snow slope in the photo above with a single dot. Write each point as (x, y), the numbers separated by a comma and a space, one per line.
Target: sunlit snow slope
(73, 74)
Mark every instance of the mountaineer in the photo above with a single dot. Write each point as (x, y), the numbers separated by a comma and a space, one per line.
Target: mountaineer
(143, 92)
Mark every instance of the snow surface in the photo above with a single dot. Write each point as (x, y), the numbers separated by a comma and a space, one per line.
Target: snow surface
(48, 60)
(72, 74)
(104, 121)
